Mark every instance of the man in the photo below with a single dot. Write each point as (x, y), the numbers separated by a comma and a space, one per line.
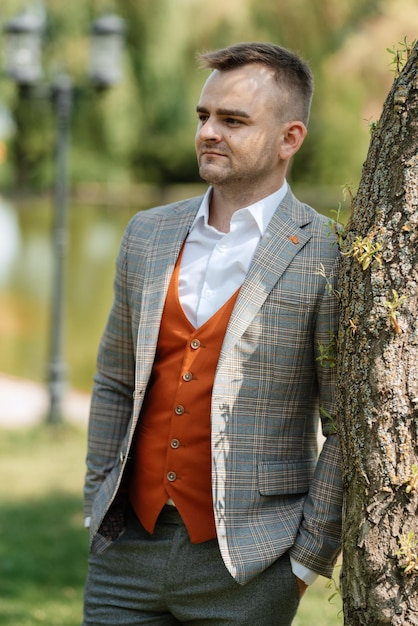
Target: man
(208, 502)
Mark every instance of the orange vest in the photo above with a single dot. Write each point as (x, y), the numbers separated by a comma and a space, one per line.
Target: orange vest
(172, 449)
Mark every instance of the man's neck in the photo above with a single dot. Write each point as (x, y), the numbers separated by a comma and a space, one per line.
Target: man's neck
(220, 217)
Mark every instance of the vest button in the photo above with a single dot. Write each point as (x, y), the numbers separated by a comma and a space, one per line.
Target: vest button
(171, 476)
(187, 376)
(179, 410)
(195, 344)
(175, 443)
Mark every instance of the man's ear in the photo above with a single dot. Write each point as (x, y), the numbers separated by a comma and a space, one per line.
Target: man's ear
(294, 134)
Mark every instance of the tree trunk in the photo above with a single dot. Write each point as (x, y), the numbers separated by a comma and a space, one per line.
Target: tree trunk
(378, 371)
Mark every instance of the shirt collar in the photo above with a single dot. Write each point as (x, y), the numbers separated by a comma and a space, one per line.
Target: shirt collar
(261, 211)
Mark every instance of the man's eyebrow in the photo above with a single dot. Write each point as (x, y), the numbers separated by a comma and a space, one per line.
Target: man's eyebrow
(224, 112)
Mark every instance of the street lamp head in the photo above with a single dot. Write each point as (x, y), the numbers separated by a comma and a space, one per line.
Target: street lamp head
(23, 36)
(106, 48)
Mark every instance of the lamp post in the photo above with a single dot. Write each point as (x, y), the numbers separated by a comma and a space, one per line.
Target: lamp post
(62, 94)
(23, 36)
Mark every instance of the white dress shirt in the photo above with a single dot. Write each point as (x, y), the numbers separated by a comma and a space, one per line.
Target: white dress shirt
(214, 266)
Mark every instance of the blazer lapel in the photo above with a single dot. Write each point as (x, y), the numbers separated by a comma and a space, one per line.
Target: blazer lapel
(283, 239)
(165, 244)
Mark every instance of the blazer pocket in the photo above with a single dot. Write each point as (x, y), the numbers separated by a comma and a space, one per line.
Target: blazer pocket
(285, 477)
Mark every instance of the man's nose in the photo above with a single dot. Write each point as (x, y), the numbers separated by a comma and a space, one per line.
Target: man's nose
(209, 131)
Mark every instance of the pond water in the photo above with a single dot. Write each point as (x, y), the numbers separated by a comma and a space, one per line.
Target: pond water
(26, 267)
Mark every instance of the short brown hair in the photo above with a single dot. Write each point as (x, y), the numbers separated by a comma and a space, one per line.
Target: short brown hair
(290, 71)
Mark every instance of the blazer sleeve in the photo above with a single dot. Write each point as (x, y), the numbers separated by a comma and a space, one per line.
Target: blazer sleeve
(319, 538)
(112, 395)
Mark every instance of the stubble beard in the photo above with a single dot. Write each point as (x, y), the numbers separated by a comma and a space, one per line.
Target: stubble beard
(221, 177)
(234, 183)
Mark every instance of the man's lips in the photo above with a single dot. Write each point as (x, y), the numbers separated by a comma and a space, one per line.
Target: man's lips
(211, 153)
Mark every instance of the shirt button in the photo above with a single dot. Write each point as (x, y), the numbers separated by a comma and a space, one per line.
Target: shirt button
(195, 344)
(179, 410)
(175, 443)
(171, 476)
(187, 376)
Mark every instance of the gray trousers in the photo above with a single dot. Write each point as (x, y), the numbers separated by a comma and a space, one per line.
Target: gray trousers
(165, 580)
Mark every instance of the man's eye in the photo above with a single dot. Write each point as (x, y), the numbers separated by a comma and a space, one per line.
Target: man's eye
(202, 118)
(231, 121)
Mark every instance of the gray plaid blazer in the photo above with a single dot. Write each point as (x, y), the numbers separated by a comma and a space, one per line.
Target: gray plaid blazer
(272, 493)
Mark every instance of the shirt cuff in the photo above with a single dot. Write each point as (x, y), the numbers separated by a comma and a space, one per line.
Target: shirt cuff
(87, 522)
(304, 573)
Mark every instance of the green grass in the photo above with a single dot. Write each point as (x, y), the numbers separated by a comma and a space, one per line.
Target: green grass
(43, 545)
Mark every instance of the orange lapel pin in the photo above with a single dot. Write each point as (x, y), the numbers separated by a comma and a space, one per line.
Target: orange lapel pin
(294, 240)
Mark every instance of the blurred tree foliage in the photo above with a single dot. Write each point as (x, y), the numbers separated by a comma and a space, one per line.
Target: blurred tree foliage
(143, 129)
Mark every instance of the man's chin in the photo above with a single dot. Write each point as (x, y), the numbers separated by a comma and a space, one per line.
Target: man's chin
(210, 175)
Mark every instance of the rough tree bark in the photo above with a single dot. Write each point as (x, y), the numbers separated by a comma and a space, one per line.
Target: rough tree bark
(378, 371)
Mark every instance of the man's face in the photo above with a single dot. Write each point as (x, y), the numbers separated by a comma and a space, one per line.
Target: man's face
(239, 133)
